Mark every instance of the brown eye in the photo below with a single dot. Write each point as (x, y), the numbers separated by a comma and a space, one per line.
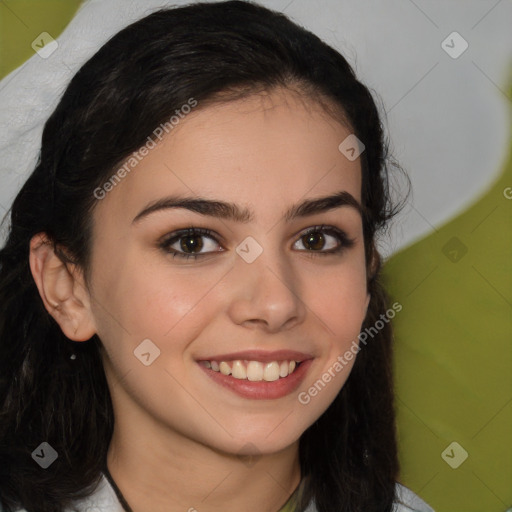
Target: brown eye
(192, 243)
(189, 243)
(314, 241)
(317, 238)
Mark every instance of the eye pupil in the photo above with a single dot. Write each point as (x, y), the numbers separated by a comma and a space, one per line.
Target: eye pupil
(193, 245)
(315, 240)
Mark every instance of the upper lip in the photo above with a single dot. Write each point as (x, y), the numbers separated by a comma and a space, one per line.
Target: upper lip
(260, 355)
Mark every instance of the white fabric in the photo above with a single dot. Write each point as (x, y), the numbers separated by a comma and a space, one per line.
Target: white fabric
(105, 500)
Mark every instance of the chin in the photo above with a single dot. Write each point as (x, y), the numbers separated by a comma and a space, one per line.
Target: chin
(260, 441)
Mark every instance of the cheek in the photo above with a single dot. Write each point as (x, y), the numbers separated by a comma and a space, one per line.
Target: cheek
(140, 295)
(341, 310)
(338, 296)
(155, 301)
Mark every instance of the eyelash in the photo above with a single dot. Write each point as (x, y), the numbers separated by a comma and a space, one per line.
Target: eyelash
(344, 240)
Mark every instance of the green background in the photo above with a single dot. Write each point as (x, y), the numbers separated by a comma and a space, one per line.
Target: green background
(453, 346)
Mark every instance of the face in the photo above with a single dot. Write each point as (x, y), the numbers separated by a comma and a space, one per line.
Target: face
(250, 294)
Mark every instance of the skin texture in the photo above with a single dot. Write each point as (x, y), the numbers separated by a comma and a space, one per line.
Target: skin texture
(179, 437)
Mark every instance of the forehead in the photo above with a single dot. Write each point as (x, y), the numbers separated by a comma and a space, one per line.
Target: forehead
(265, 149)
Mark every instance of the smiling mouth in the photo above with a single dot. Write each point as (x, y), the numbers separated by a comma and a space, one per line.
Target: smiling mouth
(254, 371)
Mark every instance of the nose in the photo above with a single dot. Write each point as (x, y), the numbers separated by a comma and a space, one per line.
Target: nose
(267, 293)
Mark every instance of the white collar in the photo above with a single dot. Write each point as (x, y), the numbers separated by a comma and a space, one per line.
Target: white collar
(104, 499)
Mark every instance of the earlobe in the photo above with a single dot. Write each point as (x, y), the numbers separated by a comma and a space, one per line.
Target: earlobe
(63, 292)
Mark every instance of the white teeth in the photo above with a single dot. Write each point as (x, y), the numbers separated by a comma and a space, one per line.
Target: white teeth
(253, 371)
(238, 370)
(271, 371)
(224, 368)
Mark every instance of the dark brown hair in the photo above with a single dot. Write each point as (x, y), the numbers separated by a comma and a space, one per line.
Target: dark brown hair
(210, 52)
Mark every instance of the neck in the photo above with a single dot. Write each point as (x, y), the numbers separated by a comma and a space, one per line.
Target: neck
(201, 479)
(163, 471)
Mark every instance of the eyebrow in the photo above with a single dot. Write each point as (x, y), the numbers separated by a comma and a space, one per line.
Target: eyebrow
(231, 211)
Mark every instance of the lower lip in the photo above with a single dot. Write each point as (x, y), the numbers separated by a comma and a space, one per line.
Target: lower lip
(261, 390)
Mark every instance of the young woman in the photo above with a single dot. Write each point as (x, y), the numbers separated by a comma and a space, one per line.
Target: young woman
(186, 276)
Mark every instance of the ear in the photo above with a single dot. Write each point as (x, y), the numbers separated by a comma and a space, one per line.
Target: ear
(62, 290)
